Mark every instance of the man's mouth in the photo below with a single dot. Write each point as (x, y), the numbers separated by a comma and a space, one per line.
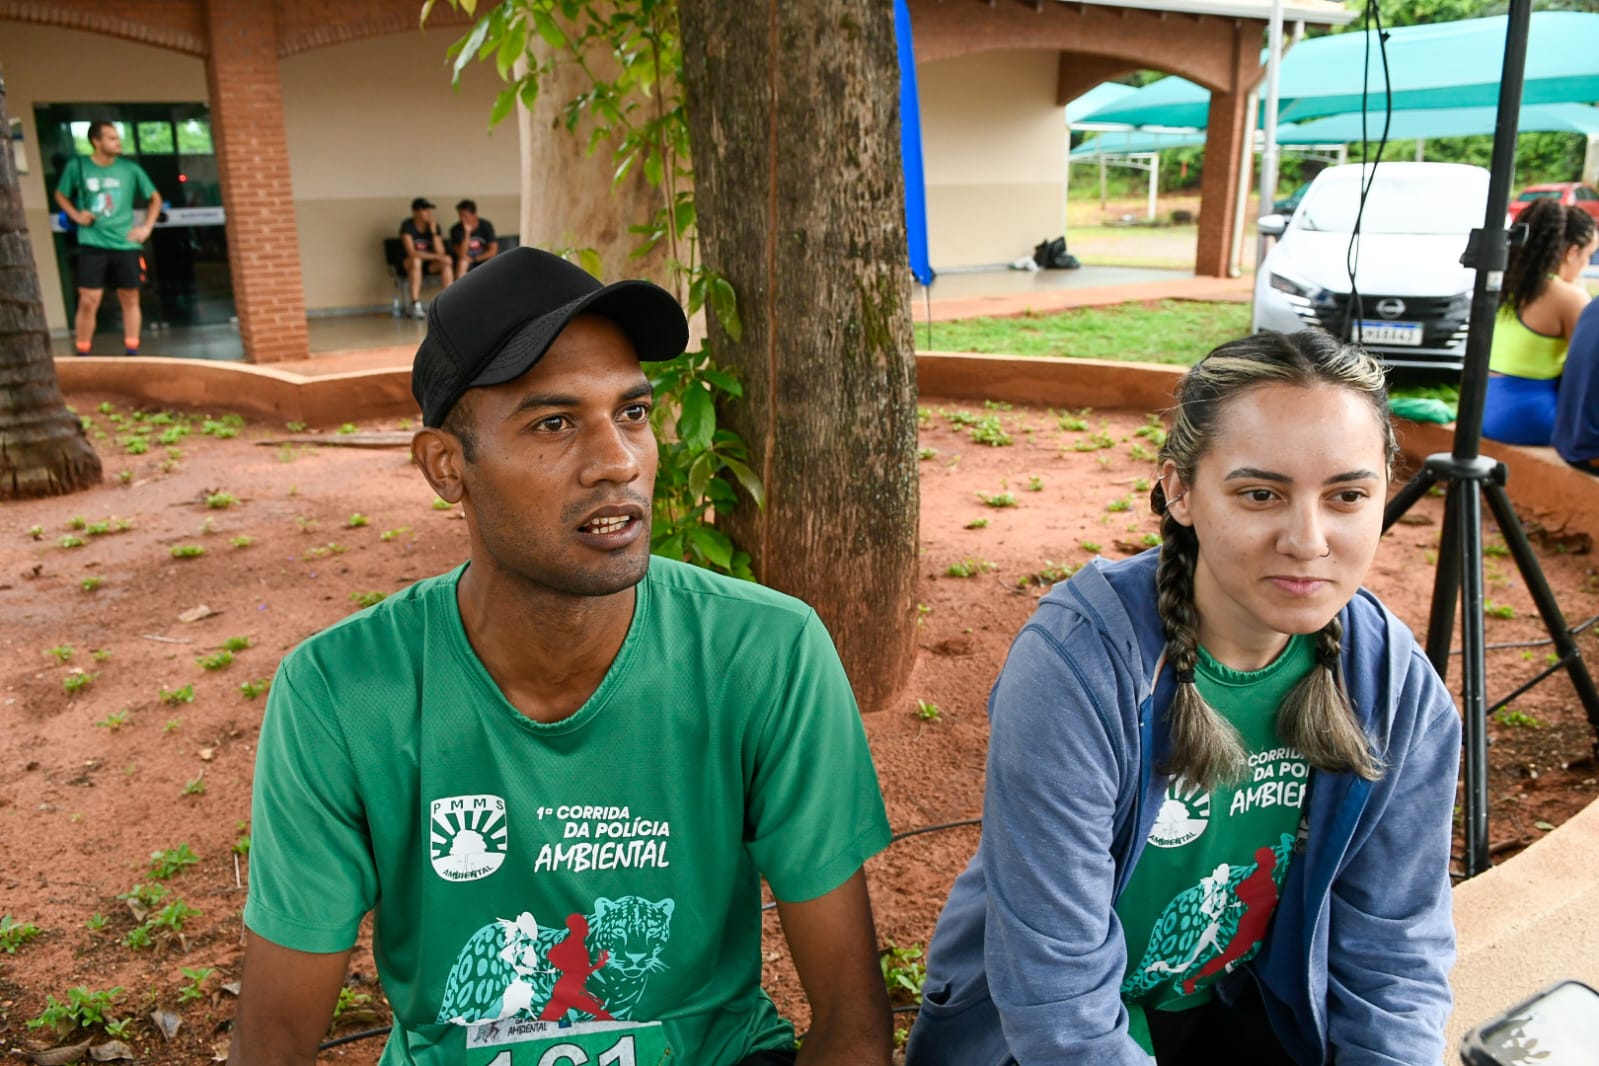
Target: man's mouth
(607, 524)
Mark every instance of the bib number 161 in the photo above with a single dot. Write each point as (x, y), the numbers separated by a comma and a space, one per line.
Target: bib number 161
(591, 1044)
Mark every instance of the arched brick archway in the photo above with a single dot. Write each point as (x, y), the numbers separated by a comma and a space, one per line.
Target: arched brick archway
(307, 24)
(1097, 43)
(177, 25)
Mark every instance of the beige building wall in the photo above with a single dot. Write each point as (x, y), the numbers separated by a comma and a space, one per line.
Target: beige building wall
(371, 124)
(994, 148)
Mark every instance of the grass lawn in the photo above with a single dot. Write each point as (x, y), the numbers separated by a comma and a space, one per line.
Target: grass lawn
(1170, 331)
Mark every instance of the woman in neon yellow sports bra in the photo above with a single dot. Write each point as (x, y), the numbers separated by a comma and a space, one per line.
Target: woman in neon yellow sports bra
(1538, 309)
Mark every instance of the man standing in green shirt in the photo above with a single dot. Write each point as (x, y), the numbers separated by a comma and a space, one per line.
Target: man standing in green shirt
(557, 774)
(98, 194)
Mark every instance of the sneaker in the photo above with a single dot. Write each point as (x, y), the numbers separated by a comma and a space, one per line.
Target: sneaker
(417, 310)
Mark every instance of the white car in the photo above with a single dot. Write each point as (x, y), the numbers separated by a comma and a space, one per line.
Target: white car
(1414, 297)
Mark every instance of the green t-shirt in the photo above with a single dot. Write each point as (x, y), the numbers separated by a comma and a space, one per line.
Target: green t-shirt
(109, 192)
(723, 744)
(1199, 902)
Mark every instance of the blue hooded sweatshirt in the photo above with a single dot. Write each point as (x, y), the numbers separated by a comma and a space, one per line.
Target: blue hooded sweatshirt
(1028, 958)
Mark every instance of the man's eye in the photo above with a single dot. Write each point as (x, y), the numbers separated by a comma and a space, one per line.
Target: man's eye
(551, 424)
(1259, 495)
(1351, 496)
(636, 412)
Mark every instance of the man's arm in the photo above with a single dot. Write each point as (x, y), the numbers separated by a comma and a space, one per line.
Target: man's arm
(152, 212)
(834, 945)
(286, 1000)
(78, 215)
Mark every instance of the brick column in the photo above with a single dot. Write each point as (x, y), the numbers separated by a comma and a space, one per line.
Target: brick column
(241, 73)
(1218, 186)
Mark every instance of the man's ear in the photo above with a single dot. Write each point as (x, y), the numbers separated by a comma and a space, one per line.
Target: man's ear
(439, 454)
(1176, 490)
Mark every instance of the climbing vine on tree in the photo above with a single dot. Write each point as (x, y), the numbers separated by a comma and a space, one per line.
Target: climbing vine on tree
(631, 60)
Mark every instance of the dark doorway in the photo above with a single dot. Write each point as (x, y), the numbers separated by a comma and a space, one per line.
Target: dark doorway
(187, 282)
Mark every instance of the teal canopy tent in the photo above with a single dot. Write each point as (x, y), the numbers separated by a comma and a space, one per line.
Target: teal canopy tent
(1424, 124)
(1445, 65)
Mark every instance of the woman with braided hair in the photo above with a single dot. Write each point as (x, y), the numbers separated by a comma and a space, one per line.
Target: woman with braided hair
(1538, 309)
(1221, 775)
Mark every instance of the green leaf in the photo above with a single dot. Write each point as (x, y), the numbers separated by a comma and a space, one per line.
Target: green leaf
(670, 545)
(473, 41)
(746, 477)
(713, 544)
(589, 260)
(547, 28)
(724, 302)
(726, 382)
(503, 103)
(427, 9)
(512, 46)
(1545, 826)
(685, 215)
(470, 7)
(652, 168)
(699, 475)
(696, 293)
(697, 422)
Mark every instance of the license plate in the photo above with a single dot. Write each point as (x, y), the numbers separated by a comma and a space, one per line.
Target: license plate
(1406, 333)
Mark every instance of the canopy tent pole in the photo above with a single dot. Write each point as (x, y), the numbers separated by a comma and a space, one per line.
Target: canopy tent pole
(1421, 149)
(1268, 155)
(1154, 182)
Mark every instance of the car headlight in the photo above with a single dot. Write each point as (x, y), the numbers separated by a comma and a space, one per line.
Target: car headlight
(1315, 294)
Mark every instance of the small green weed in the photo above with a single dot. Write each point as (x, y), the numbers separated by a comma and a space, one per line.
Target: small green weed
(36, 532)
(236, 643)
(114, 721)
(195, 786)
(61, 652)
(904, 973)
(69, 541)
(927, 453)
(1117, 506)
(14, 933)
(1516, 719)
(1035, 484)
(89, 584)
(1073, 423)
(252, 689)
(999, 499)
(990, 431)
(82, 1009)
(1150, 540)
(171, 725)
(187, 551)
(1495, 548)
(125, 476)
(369, 598)
(441, 504)
(349, 1000)
(1090, 547)
(928, 711)
(347, 428)
(1152, 430)
(393, 534)
(165, 864)
(96, 922)
(294, 427)
(242, 541)
(356, 521)
(76, 682)
(221, 501)
(174, 696)
(100, 655)
(197, 976)
(1498, 610)
(969, 568)
(1049, 575)
(216, 661)
(977, 523)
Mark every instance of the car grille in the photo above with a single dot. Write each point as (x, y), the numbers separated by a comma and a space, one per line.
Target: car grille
(1444, 319)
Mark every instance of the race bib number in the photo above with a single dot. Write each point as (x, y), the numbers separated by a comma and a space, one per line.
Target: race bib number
(521, 1042)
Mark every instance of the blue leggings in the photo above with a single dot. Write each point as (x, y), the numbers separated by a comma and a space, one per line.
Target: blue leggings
(1519, 410)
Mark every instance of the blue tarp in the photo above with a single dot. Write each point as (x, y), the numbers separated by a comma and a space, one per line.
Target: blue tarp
(1444, 65)
(910, 147)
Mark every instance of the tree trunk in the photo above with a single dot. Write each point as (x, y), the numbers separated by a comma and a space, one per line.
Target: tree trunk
(43, 449)
(793, 119)
(568, 198)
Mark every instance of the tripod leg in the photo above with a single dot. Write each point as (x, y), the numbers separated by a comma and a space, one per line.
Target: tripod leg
(1446, 583)
(1406, 497)
(1473, 669)
(1554, 619)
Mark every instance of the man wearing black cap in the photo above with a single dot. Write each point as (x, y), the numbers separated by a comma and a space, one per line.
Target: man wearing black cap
(558, 773)
(424, 250)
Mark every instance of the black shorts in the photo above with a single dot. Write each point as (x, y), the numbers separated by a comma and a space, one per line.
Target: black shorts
(101, 268)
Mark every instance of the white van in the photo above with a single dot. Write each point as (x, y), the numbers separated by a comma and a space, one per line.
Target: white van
(1414, 296)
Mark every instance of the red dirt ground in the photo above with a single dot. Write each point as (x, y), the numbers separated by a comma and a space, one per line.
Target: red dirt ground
(83, 805)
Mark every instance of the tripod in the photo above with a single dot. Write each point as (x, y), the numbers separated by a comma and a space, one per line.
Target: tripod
(1471, 477)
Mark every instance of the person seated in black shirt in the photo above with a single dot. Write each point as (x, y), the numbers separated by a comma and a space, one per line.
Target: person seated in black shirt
(472, 239)
(424, 250)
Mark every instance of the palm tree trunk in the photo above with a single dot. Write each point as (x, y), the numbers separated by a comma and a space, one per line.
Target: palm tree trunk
(43, 449)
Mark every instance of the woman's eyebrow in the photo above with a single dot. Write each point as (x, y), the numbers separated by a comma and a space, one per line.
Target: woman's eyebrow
(1254, 473)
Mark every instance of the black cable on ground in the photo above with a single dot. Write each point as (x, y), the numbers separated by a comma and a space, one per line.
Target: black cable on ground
(364, 1034)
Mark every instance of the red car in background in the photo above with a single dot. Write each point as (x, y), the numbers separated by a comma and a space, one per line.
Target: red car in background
(1569, 193)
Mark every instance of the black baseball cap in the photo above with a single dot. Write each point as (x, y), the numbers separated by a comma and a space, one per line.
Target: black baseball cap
(421, 202)
(495, 323)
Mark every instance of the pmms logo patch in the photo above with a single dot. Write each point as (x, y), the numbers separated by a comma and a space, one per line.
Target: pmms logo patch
(466, 836)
